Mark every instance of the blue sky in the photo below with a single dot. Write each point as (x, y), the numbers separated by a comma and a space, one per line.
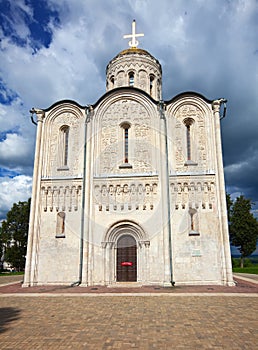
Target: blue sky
(58, 49)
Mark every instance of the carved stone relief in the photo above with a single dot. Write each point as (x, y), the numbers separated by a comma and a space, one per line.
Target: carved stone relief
(73, 122)
(140, 133)
(198, 138)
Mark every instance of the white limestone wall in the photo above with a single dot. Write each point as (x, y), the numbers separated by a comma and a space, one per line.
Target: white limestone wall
(58, 257)
(126, 193)
(200, 240)
(148, 232)
(57, 239)
(197, 255)
(55, 258)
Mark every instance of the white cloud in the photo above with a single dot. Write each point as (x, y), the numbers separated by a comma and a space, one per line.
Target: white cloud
(12, 191)
(15, 150)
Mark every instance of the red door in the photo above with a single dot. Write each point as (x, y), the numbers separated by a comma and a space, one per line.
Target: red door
(126, 270)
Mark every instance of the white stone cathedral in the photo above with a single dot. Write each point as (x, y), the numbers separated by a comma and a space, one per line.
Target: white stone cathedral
(129, 189)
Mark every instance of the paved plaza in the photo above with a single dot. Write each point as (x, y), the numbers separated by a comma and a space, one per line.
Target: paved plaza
(55, 319)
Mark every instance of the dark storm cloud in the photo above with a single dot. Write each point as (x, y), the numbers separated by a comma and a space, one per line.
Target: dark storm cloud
(205, 46)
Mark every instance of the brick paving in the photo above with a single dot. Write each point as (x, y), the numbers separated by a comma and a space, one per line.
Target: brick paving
(188, 317)
(129, 322)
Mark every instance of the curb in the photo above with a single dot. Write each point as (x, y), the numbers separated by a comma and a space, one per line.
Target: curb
(246, 279)
(10, 283)
(70, 295)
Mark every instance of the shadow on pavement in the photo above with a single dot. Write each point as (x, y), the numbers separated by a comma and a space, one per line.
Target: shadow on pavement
(7, 316)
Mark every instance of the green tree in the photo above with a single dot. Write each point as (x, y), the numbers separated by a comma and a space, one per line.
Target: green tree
(1, 249)
(229, 205)
(243, 227)
(14, 234)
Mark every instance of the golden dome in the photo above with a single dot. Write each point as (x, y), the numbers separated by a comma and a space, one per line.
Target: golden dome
(134, 50)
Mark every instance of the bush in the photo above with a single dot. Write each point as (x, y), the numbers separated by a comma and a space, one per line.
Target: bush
(247, 263)
(235, 262)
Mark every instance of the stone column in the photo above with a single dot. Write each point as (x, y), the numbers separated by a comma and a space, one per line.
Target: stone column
(227, 268)
(107, 261)
(147, 262)
(32, 234)
(104, 261)
(112, 263)
(140, 278)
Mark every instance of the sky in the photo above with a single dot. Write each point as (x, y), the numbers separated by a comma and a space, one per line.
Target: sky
(52, 50)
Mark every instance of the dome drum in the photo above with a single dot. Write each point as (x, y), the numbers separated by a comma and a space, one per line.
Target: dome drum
(137, 68)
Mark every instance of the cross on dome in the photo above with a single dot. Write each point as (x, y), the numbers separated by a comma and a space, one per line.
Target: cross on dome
(133, 42)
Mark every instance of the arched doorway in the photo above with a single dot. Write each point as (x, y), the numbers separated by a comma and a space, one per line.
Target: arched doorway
(126, 261)
(120, 235)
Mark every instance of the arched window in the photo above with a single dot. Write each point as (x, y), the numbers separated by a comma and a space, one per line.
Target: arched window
(151, 84)
(194, 222)
(126, 142)
(158, 89)
(112, 81)
(125, 126)
(60, 224)
(131, 79)
(188, 123)
(63, 145)
(189, 156)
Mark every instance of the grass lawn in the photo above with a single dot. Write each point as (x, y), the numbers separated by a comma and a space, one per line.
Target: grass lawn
(252, 269)
(11, 273)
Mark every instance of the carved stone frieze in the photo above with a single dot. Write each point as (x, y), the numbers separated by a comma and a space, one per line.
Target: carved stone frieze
(193, 192)
(60, 198)
(125, 195)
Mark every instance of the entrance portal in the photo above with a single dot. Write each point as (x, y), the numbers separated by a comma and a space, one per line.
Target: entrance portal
(126, 268)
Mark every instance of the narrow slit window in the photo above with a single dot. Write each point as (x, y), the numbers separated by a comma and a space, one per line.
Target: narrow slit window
(188, 123)
(192, 221)
(126, 144)
(112, 81)
(64, 142)
(125, 127)
(66, 137)
(188, 141)
(151, 84)
(131, 79)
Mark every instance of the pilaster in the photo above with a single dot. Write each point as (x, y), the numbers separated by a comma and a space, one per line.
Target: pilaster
(226, 268)
(29, 278)
(164, 180)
